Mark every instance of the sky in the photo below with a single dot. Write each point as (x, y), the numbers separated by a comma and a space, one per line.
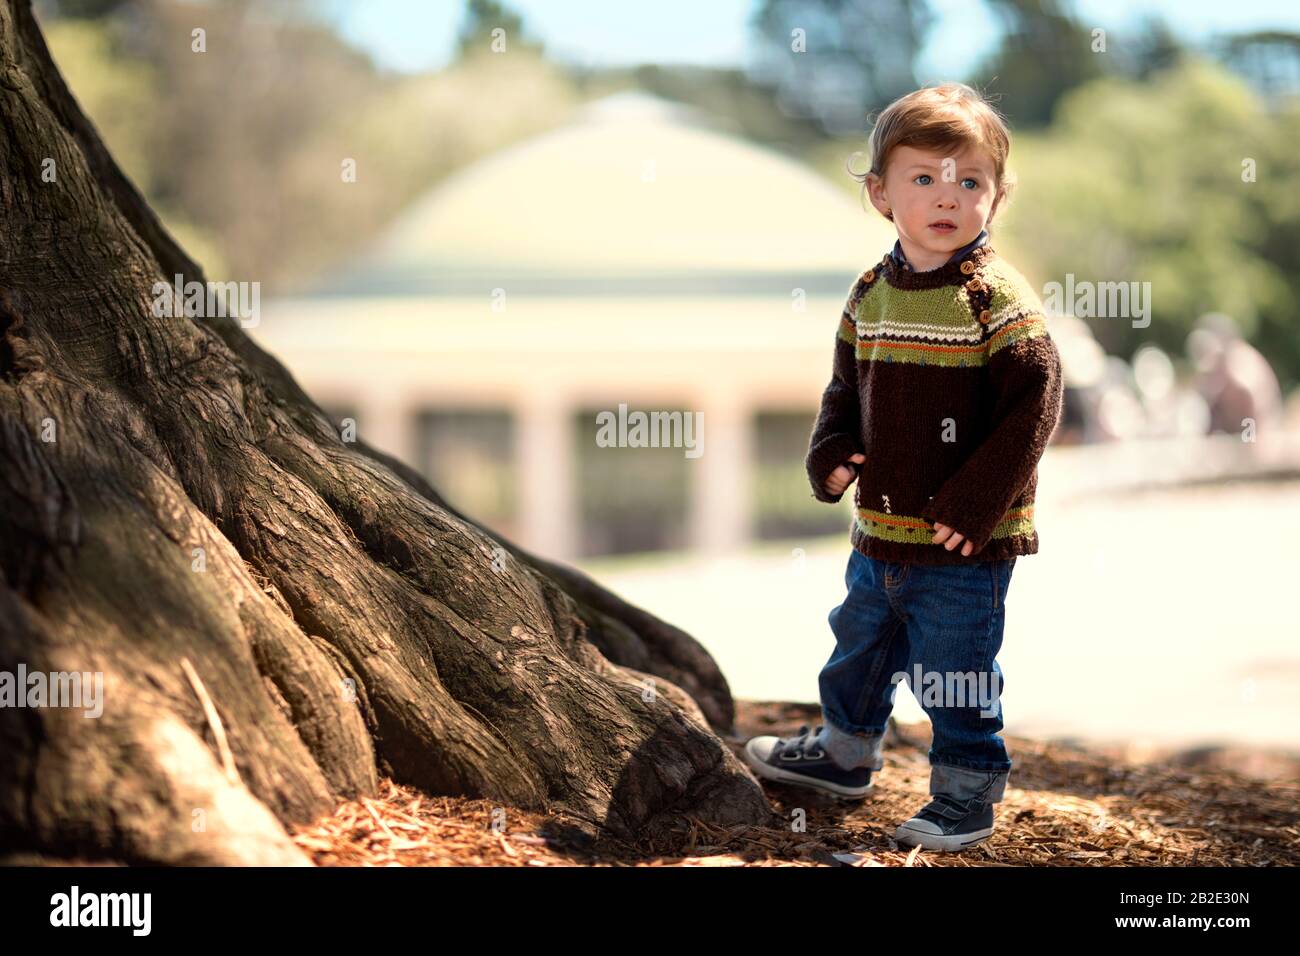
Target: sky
(417, 35)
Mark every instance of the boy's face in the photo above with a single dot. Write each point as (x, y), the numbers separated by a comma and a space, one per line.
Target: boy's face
(939, 201)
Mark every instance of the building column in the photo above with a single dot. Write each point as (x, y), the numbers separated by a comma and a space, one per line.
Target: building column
(545, 449)
(386, 422)
(721, 478)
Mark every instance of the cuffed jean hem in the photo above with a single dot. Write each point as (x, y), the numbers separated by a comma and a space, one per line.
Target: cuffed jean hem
(965, 784)
(861, 748)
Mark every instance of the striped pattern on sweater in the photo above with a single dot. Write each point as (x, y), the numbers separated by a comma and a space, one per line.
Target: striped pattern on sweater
(949, 383)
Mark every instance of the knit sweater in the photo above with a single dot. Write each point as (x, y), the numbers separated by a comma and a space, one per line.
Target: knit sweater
(950, 385)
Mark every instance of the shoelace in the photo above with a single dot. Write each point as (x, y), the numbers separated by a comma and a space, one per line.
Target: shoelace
(801, 742)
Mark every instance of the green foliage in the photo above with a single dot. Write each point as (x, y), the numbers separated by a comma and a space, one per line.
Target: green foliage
(240, 149)
(120, 95)
(83, 9)
(1144, 182)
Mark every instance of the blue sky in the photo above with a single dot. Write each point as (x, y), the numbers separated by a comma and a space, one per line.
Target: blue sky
(415, 35)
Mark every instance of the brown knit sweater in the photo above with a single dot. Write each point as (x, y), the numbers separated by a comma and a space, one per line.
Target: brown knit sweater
(950, 385)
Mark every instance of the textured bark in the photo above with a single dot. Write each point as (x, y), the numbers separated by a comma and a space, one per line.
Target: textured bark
(346, 621)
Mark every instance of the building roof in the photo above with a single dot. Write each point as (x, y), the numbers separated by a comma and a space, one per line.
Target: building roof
(636, 196)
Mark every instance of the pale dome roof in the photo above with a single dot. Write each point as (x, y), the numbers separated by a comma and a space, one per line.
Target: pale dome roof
(637, 194)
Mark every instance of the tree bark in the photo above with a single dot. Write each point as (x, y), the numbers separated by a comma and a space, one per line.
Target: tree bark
(279, 617)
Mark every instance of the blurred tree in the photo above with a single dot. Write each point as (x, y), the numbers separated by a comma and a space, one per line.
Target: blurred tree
(119, 92)
(241, 148)
(1152, 47)
(856, 57)
(79, 9)
(482, 17)
(1270, 59)
(1043, 54)
(1273, 233)
(1186, 182)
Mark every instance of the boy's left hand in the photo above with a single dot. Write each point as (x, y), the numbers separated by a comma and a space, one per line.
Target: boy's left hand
(944, 533)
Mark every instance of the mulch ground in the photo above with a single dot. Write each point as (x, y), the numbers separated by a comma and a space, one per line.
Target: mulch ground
(1064, 806)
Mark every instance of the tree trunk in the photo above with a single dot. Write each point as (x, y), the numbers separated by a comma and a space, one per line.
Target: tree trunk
(279, 616)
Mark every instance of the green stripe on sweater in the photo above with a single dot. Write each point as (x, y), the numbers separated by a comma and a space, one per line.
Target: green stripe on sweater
(908, 529)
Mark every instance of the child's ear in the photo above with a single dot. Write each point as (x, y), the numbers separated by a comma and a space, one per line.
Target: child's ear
(1000, 200)
(876, 191)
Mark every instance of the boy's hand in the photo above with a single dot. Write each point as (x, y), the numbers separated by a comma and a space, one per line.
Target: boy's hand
(843, 475)
(942, 533)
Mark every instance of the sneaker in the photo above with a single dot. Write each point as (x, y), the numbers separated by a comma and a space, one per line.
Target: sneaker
(947, 824)
(802, 761)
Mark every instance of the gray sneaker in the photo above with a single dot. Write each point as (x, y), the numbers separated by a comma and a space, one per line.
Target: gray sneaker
(947, 824)
(802, 762)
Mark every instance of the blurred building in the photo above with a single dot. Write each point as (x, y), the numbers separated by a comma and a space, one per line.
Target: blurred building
(638, 257)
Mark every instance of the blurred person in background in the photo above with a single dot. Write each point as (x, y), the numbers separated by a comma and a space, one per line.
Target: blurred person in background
(1235, 380)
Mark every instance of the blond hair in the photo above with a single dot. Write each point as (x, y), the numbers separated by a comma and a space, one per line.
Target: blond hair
(947, 118)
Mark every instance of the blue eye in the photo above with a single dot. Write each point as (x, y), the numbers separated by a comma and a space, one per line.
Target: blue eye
(973, 183)
(925, 176)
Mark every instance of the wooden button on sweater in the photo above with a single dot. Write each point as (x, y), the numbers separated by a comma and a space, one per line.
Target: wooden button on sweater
(907, 359)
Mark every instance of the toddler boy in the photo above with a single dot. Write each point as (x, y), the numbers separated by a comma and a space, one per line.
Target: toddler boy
(945, 390)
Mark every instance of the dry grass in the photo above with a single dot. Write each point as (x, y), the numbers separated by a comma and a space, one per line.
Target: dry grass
(1064, 806)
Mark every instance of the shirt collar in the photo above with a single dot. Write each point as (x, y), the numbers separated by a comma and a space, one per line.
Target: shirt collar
(980, 240)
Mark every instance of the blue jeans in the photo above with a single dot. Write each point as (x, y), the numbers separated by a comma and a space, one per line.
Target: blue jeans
(939, 627)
